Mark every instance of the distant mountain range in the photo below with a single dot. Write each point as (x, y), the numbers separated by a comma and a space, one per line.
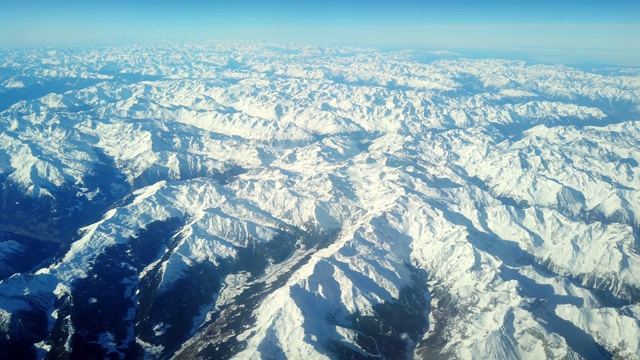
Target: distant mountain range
(262, 200)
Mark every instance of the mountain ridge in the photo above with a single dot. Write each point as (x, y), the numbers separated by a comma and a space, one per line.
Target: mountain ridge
(318, 202)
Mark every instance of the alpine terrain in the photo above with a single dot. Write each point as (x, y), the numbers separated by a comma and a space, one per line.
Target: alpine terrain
(267, 200)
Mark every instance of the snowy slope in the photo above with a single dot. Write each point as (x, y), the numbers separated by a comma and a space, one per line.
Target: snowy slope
(261, 200)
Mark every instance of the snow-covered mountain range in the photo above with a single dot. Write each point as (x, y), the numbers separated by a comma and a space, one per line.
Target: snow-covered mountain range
(259, 200)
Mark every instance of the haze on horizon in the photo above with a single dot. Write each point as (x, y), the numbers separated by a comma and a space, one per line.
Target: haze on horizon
(569, 31)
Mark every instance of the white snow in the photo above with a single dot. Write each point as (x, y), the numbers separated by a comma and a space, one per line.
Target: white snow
(510, 191)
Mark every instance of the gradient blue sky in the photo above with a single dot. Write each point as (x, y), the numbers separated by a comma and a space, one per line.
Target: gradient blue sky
(567, 31)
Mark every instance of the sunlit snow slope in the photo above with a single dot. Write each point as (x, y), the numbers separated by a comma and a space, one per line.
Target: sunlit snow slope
(287, 201)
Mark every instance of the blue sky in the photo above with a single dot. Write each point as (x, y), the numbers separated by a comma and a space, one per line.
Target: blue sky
(554, 31)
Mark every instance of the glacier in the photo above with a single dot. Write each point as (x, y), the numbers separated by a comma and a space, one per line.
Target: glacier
(271, 200)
